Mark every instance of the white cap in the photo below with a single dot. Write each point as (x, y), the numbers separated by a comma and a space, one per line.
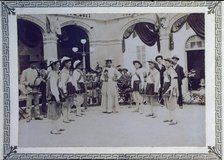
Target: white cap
(51, 60)
(76, 63)
(65, 59)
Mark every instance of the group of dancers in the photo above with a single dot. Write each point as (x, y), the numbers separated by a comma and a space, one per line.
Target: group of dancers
(65, 88)
(159, 86)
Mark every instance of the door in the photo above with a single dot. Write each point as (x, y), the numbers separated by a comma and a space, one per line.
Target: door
(196, 61)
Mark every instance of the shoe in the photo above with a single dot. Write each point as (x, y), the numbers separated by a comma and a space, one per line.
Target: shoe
(28, 120)
(109, 112)
(167, 121)
(154, 116)
(83, 114)
(66, 121)
(137, 110)
(149, 115)
(181, 106)
(61, 129)
(173, 123)
(104, 112)
(45, 116)
(38, 118)
(71, 120)
(55, 132)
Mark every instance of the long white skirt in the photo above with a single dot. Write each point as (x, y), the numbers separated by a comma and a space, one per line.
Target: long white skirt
(109, 97)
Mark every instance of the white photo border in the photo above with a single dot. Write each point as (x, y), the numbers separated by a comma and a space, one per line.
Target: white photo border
(9, 8)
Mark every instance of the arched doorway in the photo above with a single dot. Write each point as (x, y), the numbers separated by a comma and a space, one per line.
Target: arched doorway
(30, 43)
(71, 37)
(195, 53)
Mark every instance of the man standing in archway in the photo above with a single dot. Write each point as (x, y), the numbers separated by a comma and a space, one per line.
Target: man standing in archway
(180, 73)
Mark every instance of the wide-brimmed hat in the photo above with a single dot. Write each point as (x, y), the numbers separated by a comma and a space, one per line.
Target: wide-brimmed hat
(152, 61)
(175, 57)
(52, 61)
(120, 69)
(65, 59)
(169, 60)
(136, 61)
(125, 69)
(159, 56)
(108, 59)
(76, 63)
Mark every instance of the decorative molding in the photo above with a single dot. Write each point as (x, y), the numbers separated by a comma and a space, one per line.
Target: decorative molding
(10, 10)
(11, 152)
(8, 7)
(211, 9)
(213, 150)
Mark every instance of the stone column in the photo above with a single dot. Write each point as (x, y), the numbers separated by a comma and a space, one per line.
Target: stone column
(164, 45)
(50, 45)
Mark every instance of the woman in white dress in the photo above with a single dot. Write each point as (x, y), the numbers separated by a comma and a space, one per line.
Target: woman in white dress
(109, 76)
(170, 91)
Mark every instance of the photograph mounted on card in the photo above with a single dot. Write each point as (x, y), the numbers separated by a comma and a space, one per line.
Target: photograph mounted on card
(104, 79)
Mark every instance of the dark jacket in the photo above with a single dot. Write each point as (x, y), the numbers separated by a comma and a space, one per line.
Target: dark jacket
(161, 71)
(180, 74)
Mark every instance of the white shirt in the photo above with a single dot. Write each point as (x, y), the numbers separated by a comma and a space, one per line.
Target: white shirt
(54, 80)
(154, 78)
(77, 77)
(160, 66)
(175, 66)
(172, 73)
(64, 77)
(112, 73)
(138, 75)
(28, 76)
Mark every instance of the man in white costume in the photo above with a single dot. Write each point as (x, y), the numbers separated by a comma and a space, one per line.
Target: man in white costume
(64, 77)
(29, 79)
(152, 88)
(137, 84)
(54, 97)
(109, 76)
(170, 91)
(78, 82)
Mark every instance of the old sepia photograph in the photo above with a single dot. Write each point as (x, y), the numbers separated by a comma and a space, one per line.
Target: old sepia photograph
(111, 80)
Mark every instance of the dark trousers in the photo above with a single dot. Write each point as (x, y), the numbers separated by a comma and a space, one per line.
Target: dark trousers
(161, 96)
(43, 97)
(180, 97)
